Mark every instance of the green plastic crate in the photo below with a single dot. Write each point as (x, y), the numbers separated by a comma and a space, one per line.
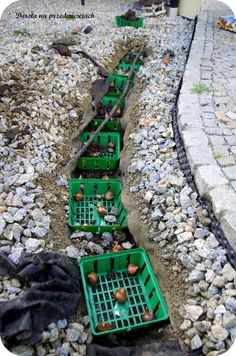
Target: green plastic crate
(110, 99)
(143, 292)
(136, 24)
(130, 61)
(134, 54)
(108, 161)
(127, 66)
(85, 211)
(111, 125)
(119, 80)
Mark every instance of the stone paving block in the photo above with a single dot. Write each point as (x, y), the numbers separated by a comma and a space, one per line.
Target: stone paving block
(206, 55)
(188, 104)
(223, 126)
(210, 122)
(199, 156)
(207, 63)
(189, 120)
(226, 161)
(233, 183)
(205, 99)
(208, 115)
(208, 109)
(231, 124)
(220, 115)
(221, 100)
(227, 132)
(206, 82)
(189, 98)
(220, 93)
(186, 87)
(228, 224)
(223, 198)
(209, 177)
(192, 76)
(231, 140)
(220, 80)
(220, 150)
(222, 107)
(230, 172)
(216, 140)
(193, 63)
(194, 138)
(217, 86)
(206, 75)
(213, 131)
(231, 115)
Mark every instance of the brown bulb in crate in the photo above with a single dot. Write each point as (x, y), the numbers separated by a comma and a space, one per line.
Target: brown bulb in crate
(78, 196)
(148, 316)
(92, 278)
(120, 295)
(103, 327)
(117, 247)
(111, 145)
(101, 211)
(132, 269)
(94, 154)
(108, 195)
(105, 177)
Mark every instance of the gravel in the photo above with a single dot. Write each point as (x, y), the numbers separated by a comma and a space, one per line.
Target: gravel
(34, 146)
(177, 225)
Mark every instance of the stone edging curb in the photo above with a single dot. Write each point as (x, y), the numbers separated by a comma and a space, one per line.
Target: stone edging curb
(210, 179)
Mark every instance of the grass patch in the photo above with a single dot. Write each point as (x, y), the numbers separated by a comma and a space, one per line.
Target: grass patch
(21, 32)
(201, 88)
(217, 154)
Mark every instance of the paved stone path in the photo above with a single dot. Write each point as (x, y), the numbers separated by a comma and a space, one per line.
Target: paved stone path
(207, 121)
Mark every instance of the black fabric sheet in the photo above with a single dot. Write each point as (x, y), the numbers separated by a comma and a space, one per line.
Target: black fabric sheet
(154, 349)
(55, 295)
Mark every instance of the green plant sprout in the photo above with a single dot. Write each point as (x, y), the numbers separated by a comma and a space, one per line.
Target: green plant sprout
(201, 88)
(217, 154)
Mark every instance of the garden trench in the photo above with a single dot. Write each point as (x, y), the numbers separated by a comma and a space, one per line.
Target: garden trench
(59, 235)
(137, 230)
(172, 277)
(184, 268)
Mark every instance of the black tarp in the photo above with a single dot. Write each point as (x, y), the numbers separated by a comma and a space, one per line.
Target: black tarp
(154, 349)
(54, 295)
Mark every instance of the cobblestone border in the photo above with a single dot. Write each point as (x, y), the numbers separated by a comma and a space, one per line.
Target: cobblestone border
(211, 180)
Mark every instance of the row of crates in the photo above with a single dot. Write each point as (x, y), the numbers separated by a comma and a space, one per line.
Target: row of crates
(83, 215)
(143, 293)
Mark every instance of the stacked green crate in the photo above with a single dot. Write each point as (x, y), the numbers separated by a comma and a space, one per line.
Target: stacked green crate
(142, 290)
(83, 214)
